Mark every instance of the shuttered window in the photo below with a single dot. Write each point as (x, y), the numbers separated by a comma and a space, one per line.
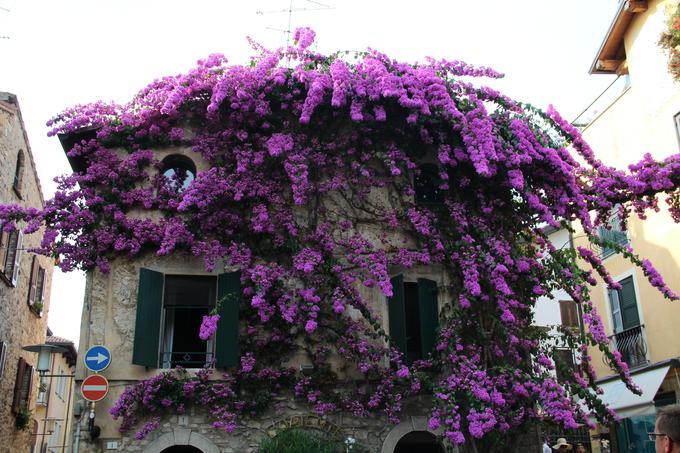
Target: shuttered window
(624, 307)
(413, 317)
(22, 386)
(170, 309)
(11, 256)
(569, 313)
(36, 287)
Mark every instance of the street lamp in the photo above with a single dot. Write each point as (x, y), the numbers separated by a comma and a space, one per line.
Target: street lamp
(44, 352)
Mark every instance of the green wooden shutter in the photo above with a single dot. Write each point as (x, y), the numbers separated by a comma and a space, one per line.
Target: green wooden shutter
(397, 313)
(148, 324)
(429, 314)
(229, 293)
(629, 309)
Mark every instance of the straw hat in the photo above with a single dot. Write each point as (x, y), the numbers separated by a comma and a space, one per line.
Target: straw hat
(561, 442)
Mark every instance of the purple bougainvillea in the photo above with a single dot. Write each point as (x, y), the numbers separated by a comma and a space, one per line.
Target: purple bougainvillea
(310, 192)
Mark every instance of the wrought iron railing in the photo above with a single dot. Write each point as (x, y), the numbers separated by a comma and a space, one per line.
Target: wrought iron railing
(632, 346)
(191, 359)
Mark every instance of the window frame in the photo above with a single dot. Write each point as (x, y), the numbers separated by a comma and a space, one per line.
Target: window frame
(19, 170)
(167, 330)
(36, 286)
(23, 385)
(397, 313)
(613, 220)
(3, 358)
(10, 274)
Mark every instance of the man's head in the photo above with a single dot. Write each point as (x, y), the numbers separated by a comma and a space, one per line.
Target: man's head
(667, 430)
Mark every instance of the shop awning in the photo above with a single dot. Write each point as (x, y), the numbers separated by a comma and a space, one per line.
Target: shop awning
(628, 404)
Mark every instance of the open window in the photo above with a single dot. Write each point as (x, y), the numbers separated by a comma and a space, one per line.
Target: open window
(413, 317)
(187, 298)
(426, 185)
(178, 171)
(170, 309)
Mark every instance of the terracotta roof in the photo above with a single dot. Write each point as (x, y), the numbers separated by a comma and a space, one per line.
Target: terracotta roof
(71, 353)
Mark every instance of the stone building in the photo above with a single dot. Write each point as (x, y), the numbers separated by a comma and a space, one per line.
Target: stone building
(24, 283)
(144, 311)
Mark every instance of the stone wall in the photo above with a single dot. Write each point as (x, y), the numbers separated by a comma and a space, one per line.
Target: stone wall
(195, 428)
(19, 325)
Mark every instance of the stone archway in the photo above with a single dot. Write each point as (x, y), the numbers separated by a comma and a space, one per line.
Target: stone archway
(403, 429)
(181, 437)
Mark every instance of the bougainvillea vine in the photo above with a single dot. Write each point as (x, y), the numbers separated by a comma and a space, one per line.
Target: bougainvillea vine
(312, 192)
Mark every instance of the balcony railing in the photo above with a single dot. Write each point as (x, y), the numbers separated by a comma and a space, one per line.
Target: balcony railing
(632, 346)
(195, 359)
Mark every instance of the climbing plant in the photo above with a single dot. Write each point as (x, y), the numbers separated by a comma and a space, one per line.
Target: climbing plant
(310, 193)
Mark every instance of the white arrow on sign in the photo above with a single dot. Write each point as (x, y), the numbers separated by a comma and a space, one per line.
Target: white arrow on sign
(99, 358)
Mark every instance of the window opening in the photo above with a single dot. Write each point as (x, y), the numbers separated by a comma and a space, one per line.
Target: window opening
(18, 172)
(628, 336)
(413, 343)
(612, 232)
(178, 172)
(426, 185)
(186, 300)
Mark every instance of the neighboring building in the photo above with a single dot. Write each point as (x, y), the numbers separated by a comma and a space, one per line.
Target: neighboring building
(641, 117)
(24, 282)
(55, 399)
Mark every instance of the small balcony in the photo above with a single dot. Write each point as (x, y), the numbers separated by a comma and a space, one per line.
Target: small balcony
(632, 346)
(192, 359)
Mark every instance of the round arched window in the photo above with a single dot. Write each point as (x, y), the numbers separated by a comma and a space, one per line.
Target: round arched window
(178, 171)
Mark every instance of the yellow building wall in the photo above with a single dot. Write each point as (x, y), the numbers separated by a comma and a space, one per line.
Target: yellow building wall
(641, 121)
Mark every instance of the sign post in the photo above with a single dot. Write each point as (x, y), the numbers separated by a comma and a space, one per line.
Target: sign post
(94, 387)
(97, 358)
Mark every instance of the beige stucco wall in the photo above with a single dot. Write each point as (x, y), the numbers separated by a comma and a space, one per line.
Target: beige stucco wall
(55, 408)
(19, 326)
(641, 121)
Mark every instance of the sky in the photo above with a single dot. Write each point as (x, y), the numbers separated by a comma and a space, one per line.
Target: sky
(56, 54)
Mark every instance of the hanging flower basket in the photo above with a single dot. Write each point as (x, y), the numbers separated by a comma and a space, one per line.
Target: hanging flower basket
(670, 40)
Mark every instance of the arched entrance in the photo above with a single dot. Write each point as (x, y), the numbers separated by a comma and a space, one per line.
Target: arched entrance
(182, 449)
(418, 442)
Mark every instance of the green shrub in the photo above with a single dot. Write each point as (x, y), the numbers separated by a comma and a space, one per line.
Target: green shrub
(301, 441)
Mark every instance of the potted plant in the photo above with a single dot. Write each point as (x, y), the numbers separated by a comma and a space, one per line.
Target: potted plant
(23, 418)
(670, 40)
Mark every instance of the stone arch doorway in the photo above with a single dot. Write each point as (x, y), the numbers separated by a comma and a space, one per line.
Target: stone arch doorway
(418, 442)
(182, 449)
(401, 440)
(181, 440)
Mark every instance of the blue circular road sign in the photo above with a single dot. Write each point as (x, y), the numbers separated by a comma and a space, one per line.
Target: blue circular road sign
(97, 358)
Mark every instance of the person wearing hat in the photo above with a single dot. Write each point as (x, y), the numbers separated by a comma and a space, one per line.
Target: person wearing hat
(562, 445)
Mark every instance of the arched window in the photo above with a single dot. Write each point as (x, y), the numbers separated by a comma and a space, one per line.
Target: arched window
(178, 171)
(19, 172)
(426, 185)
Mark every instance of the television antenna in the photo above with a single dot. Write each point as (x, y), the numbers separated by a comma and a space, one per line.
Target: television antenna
(310, 5)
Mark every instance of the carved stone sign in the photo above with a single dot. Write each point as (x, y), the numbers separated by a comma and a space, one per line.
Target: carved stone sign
(310, 421)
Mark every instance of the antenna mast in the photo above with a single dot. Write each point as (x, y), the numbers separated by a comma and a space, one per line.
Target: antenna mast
(316, 6)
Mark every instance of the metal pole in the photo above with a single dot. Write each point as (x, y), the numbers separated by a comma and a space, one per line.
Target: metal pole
(47, 408)
(68, 414)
